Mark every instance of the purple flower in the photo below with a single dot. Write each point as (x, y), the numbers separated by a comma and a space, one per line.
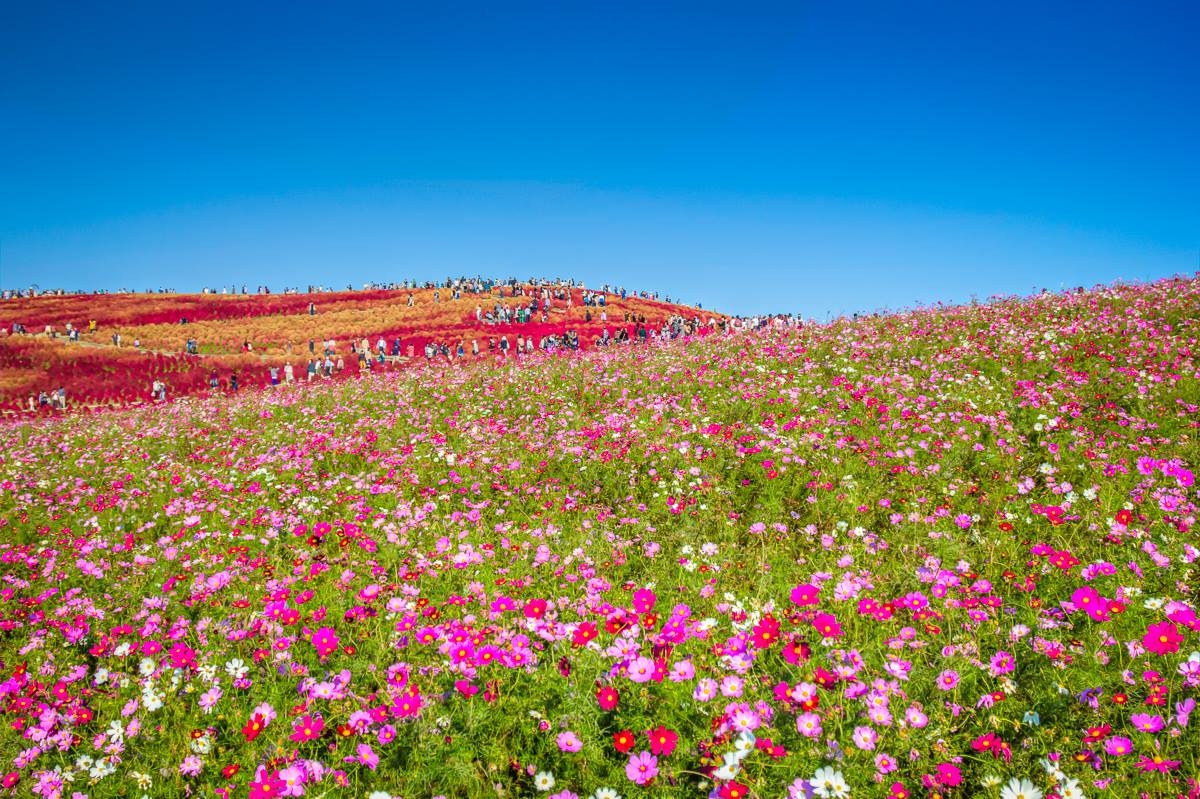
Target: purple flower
(642, 768)
(367, 756)
(1118, 746)
(1002, 663)
(1183, 711)
(1147, 723)
(947, 680)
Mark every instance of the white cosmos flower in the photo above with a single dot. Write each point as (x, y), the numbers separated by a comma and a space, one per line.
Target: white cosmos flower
(1071, 789)
(828, 783)
(1020, 788)
(728, 770)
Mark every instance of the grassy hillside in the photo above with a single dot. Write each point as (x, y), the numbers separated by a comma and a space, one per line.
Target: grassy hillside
(945, 552)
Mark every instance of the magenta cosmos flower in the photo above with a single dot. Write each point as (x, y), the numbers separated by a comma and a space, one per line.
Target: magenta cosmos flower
(827, 625)
(1162, 638)
(806, 594)
(325, 641)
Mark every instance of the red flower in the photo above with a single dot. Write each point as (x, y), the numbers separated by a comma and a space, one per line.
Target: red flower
(535, 608)
(662, 741)
(608, 697)
(766, 633)
(254, 726)
(229, 771)
(584, 633)
(733, 790)
(623, 741)
(1063, 560)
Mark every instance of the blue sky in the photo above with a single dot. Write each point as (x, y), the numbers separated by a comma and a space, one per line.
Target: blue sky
(751, 156)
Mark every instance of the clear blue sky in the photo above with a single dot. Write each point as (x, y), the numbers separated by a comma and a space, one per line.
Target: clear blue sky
(754, 157)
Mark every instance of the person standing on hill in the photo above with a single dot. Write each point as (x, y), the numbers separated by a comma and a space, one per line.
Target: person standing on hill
(289, 374)
(233, 380)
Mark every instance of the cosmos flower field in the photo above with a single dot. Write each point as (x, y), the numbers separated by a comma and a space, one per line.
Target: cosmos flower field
(946, 552)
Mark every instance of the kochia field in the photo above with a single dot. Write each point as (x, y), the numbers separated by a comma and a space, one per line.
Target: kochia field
(946, 552)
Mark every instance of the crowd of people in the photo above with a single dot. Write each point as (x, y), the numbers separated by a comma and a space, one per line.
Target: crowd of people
(511, 302)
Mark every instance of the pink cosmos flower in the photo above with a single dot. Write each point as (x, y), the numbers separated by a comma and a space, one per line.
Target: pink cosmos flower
(641, 669)
(569, 742)
(365, 755)
(642, 768)
(809, 725)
